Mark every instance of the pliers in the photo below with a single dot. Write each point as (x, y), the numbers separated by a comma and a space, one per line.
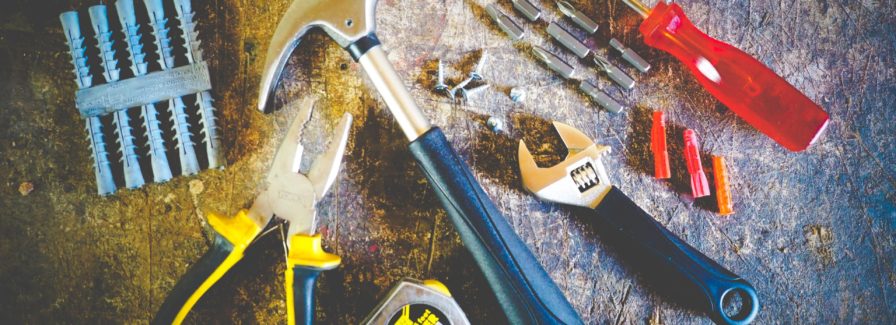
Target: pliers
(291, 197)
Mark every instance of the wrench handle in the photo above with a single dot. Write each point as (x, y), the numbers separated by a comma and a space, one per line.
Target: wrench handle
(523, 288)
(671, 263)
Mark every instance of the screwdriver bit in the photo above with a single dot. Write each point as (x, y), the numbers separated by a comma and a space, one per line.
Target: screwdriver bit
(505, 23)
(630, 56)
(577, 17)
(614, 73)
(554, 62)
(566, 70)
(527, 9)
(568, 41)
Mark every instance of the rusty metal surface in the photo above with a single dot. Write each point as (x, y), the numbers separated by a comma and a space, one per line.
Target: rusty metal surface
(813, 231)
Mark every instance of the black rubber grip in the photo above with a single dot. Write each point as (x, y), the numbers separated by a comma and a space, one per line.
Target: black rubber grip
(526, 292)
(190, 281)
(303, 287)
(670, 263)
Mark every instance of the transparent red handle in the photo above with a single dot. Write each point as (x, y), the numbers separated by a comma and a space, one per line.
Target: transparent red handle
(749, 88)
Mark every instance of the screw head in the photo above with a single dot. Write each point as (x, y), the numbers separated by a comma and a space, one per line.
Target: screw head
(517, 95)
(494, 123)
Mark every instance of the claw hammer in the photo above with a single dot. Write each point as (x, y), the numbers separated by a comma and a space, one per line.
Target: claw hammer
(525, 291)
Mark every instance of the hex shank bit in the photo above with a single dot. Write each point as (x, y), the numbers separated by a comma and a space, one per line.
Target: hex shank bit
(185, 146)
(630, 56)
(527, 9)
(578, 17)
(566, 71)
(568, 41)
(161, 170)
(204, 99)
(505, 23)
(105, 183)
(133, 176)
(614, 73)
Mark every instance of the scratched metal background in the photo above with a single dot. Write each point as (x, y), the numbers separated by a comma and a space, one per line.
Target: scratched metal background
(813, 231)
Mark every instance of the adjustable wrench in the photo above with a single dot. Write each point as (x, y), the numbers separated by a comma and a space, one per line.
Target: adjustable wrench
(581, 180)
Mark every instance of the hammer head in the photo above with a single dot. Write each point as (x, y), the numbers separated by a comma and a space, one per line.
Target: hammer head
(580, 179)
(345, 21)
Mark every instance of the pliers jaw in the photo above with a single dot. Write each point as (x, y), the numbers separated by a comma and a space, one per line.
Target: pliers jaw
(343, 20)
(291, 195)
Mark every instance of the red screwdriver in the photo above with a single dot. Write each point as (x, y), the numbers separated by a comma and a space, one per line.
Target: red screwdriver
(750, 89)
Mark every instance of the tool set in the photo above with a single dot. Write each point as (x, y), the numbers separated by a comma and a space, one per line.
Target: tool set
(581, 180)
(523, 288)
(574, 45)
(117, 95)
(553, 61)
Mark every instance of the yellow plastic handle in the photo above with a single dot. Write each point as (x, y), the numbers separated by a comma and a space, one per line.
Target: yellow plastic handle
(232, 237)
(304, 263)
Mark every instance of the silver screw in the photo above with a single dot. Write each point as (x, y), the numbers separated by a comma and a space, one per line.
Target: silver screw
(517, 95)
(440, 81)
(467, 93)
(476, 74)
(453, 91)
(495, 124)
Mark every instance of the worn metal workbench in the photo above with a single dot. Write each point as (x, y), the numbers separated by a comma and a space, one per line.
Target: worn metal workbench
(813, 231)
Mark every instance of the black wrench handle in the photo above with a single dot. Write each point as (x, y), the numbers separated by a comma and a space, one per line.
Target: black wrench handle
(525, 291)
(670, 262)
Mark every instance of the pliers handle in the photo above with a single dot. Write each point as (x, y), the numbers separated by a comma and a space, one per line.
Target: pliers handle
(305, 261)
(232, 237)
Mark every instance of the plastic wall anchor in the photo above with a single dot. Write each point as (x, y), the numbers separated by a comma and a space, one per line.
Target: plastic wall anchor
(130, 160)
(699, 184)
(161, 170)
(210, 130)
(102, 169)
(658, 146)
(723, 193)
(189, 165)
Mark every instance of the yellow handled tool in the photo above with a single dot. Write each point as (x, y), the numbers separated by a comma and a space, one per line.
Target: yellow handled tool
(289, 195)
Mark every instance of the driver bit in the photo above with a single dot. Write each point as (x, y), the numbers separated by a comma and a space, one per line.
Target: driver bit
(161, 170)
(566, 71)
(614, 73)
(577, 16)
(133, 176)
(105, 183)
(185, 146)
(505, 23)
(630, 56)
(204, 99)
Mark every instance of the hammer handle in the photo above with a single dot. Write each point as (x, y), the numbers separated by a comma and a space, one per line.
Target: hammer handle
(525, 291)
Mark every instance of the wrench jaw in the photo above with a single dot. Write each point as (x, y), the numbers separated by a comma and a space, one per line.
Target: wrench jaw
(579, 180)
(343, 20)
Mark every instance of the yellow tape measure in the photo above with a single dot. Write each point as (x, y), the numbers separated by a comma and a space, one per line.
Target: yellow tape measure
(414, 302)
